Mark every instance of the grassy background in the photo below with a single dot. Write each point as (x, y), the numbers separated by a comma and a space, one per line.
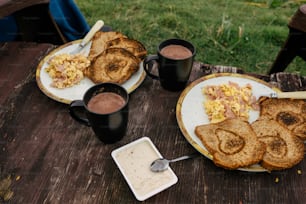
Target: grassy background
(245, 34)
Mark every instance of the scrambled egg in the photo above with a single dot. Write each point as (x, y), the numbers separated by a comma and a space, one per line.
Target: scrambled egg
(228, 101)
(67, 70)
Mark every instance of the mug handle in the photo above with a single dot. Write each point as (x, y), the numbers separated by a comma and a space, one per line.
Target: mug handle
(78, 104)
(146, 64)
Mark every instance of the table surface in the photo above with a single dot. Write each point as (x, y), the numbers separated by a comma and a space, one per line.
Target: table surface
(50, 158)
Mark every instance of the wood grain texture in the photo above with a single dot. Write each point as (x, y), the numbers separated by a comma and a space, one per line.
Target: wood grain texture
(61, 161)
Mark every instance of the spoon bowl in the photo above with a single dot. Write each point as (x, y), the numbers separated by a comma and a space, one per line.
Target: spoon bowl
(162, 164)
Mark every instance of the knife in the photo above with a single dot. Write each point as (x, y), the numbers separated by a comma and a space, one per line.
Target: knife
(293, 95)
(98, 25)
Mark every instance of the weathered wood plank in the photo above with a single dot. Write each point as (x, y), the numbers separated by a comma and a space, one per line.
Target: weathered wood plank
(53, 159)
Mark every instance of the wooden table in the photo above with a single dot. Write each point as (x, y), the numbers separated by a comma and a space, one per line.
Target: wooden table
(50, 158)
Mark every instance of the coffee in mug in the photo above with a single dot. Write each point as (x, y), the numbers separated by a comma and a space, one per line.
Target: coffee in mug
(175, 60)
(105, 103)
(104, 108)
(176, 52)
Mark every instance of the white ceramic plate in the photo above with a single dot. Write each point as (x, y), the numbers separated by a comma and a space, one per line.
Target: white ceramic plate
(76, 92)
(190, 110)
(134, 160)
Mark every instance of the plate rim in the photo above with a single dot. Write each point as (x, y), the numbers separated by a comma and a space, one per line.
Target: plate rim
(179, 118)
(64, 100)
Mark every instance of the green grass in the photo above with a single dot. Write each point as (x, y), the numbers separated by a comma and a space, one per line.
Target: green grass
(245, 34)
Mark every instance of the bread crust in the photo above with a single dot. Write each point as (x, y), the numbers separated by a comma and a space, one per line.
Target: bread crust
(283, 148)
(129, 44)
(288, 112)
(232, 143)
(114, 57)
(99, 42)
(114, 65)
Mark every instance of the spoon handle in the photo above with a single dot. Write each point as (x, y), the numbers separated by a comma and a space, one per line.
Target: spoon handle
(185, 157)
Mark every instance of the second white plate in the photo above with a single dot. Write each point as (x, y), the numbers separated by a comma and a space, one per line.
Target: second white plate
(190, 110)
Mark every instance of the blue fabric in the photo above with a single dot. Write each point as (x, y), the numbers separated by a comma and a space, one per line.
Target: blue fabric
(65, 13)
(69, 19)
(8, 29)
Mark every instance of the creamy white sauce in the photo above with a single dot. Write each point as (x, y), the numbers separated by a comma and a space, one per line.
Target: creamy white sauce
(135, 163)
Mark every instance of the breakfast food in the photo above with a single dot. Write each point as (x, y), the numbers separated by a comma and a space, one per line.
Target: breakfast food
(228, 101)
(114, 65)
(133, 160)
(99, 42)
(66, 70)
(289, 112)
(232, 143)
(272, 141)
(114, 57)
(131, 45)
(283, 149)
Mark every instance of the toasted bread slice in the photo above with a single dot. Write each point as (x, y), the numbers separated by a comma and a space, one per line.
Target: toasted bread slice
(283, 149)
(114, 65)
(99, 42)
(288, 112)
(232, 143)
(131, 45)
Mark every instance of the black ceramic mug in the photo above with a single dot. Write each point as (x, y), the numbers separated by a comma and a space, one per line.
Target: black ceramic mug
(175, 60)
(105, 109)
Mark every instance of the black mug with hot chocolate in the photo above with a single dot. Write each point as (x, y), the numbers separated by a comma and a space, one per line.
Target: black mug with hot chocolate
(106, 111)
(175, 60)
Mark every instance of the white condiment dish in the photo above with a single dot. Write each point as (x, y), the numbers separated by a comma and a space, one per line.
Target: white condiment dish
(134, 160)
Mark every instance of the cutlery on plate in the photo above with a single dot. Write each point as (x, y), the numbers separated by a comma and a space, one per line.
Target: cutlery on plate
(98, 25)
(162, 164)
(293, 95)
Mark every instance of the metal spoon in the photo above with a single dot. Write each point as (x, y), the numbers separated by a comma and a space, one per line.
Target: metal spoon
(162, 164)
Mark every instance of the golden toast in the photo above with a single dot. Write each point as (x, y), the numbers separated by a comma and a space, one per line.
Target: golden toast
(131, 45)
(99, 42)
(288, 112)
(283, 148)
(114, 57)
(232, 143)
(114, 65)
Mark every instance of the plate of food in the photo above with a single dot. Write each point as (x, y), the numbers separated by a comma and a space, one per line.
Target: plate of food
(206, 101)
(108, 57)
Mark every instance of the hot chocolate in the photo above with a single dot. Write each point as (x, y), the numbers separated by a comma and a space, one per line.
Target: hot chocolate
(105, 103)
(176, 52)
